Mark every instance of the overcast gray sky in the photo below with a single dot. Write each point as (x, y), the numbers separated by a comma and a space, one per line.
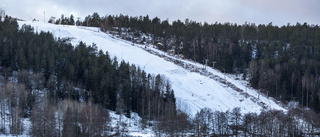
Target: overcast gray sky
(280, 12)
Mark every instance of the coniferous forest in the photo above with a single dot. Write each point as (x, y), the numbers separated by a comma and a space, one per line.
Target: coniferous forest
(67, 90)
(52, 71)
(281, 61)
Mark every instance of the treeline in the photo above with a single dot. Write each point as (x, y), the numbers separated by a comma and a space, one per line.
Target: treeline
(282, 61)
(235, 123)
(55, 68)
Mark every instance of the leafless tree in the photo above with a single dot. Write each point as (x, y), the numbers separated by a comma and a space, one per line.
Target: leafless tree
(43, 120)
(204, 121)
(249, 123)
(221, 122)
(236, 118)
(16, 97)
(16, 127)
(93, 120)
(36, 81)
(69, 124)
(174, 125)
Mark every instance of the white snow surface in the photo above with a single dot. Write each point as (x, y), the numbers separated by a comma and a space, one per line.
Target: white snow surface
(133, 125)
(193, 91)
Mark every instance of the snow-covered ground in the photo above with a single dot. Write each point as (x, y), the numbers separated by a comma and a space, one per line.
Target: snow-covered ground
(133, 125)
(193, 90)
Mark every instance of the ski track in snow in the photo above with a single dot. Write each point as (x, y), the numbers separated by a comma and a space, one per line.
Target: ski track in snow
(193, 90)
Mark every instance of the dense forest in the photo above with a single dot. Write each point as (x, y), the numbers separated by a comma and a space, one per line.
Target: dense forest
(283, 62)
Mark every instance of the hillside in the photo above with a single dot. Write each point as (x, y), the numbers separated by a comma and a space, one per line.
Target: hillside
(65, 80)
(195, 87)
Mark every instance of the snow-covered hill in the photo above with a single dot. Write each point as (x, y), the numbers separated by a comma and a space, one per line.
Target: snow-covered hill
(195, 87)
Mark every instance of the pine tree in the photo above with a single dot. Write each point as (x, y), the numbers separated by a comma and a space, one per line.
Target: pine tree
(71, 20)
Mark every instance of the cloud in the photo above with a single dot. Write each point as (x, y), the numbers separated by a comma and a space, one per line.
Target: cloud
(279, 12)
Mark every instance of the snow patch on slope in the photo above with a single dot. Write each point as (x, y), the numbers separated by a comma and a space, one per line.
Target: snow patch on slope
(193, 90)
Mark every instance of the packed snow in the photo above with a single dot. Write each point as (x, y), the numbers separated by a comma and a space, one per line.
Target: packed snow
(193, 90)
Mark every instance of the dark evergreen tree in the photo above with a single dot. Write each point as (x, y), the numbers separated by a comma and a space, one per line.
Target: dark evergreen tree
(71, 20)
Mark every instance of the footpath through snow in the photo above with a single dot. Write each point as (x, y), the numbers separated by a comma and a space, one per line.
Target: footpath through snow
(195, 87)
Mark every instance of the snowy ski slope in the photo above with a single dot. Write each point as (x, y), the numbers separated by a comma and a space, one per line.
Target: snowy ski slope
(193, 90)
